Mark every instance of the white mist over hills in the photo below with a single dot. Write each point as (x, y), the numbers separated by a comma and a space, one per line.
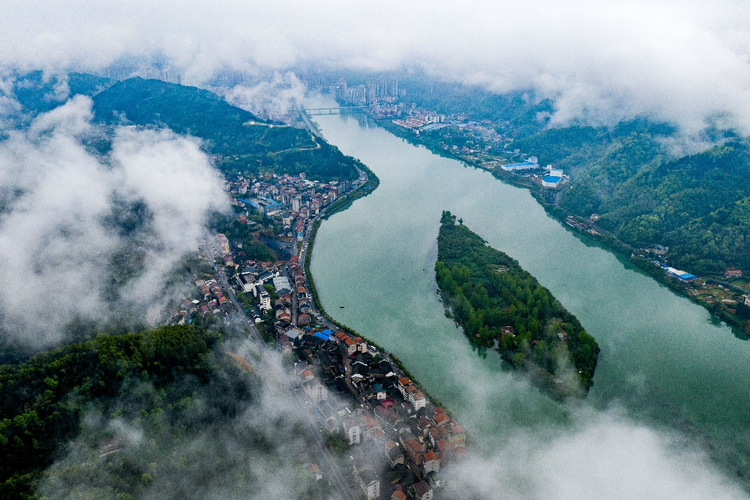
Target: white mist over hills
(681, 62)
(55, 242)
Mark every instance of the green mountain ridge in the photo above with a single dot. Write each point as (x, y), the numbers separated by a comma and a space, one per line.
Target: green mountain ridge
(696, 205)
(239, 141)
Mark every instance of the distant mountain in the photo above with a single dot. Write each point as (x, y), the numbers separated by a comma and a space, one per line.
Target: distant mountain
(241, 141)
(514, 113)
(38, 93)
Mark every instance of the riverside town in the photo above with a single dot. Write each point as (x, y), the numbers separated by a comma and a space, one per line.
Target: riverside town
(359, 397)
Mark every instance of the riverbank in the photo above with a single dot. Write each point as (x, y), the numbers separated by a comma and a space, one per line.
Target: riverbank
(622, 250)
(319, 307)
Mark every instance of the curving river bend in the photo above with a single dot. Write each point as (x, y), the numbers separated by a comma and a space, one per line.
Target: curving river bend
(664, 363)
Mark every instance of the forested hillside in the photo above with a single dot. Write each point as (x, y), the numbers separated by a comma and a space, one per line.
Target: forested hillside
(38, 93)
(42, 399)
(497, 302)
(696, 205)
(157, 414)
(240, 141)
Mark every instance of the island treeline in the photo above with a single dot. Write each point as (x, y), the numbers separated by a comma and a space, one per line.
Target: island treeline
(499, 304)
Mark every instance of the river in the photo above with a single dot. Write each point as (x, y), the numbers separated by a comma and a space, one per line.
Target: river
(664, 362)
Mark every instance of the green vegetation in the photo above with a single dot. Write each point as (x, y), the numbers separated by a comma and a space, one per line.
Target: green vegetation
(697, 205)
(38, 94)
(244, 234)
(43, 398)
(240, 141)
(497, 302)
(163, 413)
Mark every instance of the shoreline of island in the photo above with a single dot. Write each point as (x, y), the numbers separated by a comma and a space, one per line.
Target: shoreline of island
(588, 232)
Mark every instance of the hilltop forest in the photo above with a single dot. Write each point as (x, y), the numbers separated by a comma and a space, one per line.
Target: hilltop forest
(697, 205)
(239, 141)
(500, 304)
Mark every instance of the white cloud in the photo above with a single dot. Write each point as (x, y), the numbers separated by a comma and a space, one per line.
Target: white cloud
(675, 61)
(55, 246)
(272, 98)
(605, 456)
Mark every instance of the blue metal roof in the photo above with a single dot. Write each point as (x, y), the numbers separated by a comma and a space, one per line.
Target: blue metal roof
(270, 201)
(248, 203)
(321, 336)
(551, 178)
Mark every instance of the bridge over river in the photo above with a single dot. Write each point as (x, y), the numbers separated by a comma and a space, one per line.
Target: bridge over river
(339, 110)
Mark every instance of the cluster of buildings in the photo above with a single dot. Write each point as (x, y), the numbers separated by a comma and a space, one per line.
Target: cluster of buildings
(552, 178)
(531, 163)
(293, 200)
(676, 273)
(207, 298)
(374, 91)
(420, 121)
(398, 441)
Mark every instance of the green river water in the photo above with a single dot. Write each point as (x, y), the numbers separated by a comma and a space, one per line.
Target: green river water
(664, 363)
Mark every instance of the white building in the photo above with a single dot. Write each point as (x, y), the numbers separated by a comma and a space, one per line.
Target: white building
(352, 430)
(370, 484)
(247, 281)
(265, 299)
(417, 399)
(317, 392)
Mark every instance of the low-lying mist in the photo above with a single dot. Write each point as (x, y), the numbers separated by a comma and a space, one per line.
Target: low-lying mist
(234, 435)
(85, 235)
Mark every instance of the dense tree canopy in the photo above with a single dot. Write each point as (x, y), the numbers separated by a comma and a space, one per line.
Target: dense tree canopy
(696, 204)
(41, 400)
(496, 301)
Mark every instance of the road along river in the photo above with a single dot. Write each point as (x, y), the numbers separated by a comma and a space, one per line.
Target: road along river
(664, 366)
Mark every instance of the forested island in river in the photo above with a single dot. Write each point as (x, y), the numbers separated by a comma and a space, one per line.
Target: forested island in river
(500, 305)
